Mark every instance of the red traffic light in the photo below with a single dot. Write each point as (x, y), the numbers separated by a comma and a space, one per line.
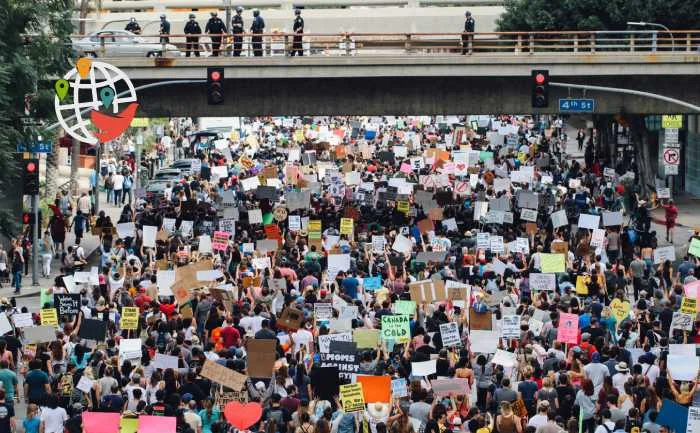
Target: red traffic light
(26, 218)
(216, 75)
(31, 167)
(539, 78)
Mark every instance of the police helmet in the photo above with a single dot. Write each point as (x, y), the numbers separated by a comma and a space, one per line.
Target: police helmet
(256, 12)
(192, 16)
(239, 9)
(133, 20)
(214, 13)
(468, 14)
(297, 11)
(162, 16)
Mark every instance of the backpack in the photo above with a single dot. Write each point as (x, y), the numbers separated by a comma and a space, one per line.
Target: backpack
(65, 385)
(161, 342)
(127, 182)
(277, 415)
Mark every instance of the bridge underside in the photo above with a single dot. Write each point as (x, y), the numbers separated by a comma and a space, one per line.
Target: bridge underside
(409, 95)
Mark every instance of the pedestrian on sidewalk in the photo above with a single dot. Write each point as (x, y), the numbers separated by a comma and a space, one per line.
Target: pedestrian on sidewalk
(17, 265)
(126, 191)
(118, 185)
(78, 225)
(58, 232)
(671, 216)
(580, 138)
(46, 253)
(109, 187)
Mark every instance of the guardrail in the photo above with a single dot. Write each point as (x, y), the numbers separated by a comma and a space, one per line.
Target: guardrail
(109, 44)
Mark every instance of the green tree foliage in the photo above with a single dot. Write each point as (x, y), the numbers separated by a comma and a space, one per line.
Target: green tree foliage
(34, 49)
(543, 15)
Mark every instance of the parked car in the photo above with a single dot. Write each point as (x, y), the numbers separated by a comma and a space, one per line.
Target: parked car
(168, 174)
(184, 165)
(120, 43)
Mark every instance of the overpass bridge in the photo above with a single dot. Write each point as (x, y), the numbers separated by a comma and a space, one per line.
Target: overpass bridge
(404, 74)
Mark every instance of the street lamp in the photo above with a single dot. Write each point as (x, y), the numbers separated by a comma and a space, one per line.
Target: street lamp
(645, 24)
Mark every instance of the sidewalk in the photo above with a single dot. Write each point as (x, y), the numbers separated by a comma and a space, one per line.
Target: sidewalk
(89, 242)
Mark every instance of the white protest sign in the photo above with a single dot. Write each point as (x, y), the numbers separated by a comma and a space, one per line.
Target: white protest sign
(540, 282)
(450, 334)
(149, 236)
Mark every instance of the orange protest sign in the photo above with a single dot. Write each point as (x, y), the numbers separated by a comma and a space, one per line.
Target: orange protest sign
(375, 388)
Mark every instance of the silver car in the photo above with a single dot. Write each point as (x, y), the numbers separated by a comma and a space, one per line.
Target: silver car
(120, 43)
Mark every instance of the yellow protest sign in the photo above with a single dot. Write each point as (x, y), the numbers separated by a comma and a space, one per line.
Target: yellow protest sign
(130, 318)
(402, 206)
(582, 284)
(672, 121)
(620, 309)
(299, 135)
(347, 226)
(49, 317)
(688, 305)
(315, 229)
(352, 398)
(553, 263)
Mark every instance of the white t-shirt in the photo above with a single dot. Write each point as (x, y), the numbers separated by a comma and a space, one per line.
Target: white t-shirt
(118, 181)
(537, 420)
(302, 337)
(619, 380)
(252, 323)
(53, 419)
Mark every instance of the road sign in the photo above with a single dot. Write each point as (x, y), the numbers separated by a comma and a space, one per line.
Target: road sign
(576, 105)
(672, 156)
(44, 146)
(672, 121)
(671, 136)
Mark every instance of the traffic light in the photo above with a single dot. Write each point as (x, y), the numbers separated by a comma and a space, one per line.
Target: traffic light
(540, 88)
(30, 175)
(28, 219)
(215, 86)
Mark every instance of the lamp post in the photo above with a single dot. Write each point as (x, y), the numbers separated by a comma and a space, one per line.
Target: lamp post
(645, 24)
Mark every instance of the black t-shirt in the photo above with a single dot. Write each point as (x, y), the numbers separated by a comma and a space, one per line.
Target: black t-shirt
(6, 414)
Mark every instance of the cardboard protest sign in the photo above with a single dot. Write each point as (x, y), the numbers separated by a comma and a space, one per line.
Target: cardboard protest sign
(433, 291)
(187, 275)
(222, 375)
(396, 327)
(324, 341)
(261, 357)
(130, 318)
(480, 321)
(449, 332)
(291, 318)
(67, 303)
(552, 263)
(366, 338)
(447, 387)
(568, 328)
(375, 388)
(22, 320)
(49, 317)
(541, 282)
(399, 388)
(425, 368)
(352, 398)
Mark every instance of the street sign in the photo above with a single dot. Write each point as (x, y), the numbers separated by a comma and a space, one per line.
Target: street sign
(576, 105)
(44, 146)
(672, 156)
(671, 136)
(672, 121)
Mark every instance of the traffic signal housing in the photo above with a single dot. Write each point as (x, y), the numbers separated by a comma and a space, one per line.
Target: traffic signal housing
(30, 176)
(540, 88)
(215, 86)
(28, 220)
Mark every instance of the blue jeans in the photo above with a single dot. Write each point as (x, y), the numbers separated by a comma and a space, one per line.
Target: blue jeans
(18, 280)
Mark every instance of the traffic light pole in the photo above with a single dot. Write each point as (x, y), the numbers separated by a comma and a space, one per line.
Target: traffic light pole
(35, 236)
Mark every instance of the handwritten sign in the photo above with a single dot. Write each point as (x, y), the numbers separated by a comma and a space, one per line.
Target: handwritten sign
(352, 398)
(396, 327)
(130, 318)
(49, 317)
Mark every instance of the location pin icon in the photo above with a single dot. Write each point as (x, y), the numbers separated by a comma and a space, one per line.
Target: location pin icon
(83, 65)
(61, 87)
(107, 96)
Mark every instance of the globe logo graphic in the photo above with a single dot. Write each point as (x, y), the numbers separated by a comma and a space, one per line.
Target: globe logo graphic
(88, 101)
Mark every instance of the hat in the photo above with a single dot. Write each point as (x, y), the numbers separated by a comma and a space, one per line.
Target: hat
(323, 293)
(378, 410)
(577, 349)
(260, 386)
(622, 367)
(595, 357)
(585, 336)
(457, 420)
(186, 397)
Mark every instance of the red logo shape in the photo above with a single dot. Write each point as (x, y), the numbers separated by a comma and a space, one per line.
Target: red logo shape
(110, 126)
(242, 416)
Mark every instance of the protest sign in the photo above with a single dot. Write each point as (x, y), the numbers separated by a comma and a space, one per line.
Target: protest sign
(324, 341)
(261, 358)
(352, 398)
(375, 388)
(568, 328)
(449, 387)
(553, 263)
(539, 282)
(49, 317)
(130, 318)
(343, 355)
(449, 332)
(399, 388)
(511, 326)
(396, 327)
(424, 368)
(222, 375)
(67, 303)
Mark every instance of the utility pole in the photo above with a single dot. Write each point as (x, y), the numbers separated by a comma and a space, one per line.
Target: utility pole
(96, 190)
(35, 235)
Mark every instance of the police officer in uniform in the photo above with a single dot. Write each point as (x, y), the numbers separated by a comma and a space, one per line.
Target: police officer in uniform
(164, 30)
(215, 26)
(237, 29)
(257, 28)
(133, 27)
(298, 27)
(468, 35)
(192, 28)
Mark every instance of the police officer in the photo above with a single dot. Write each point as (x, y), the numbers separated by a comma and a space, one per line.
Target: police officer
(192, 28)
(298, 27)
(257, 28)
(237, 29)
(215, 26)
(164, 30)
(133, 27)
(468, 35)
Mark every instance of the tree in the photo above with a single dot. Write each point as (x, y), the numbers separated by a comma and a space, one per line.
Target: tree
(34, 45)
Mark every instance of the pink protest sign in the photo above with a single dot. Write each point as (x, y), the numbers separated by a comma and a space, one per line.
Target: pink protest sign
(156, 424)
(220, 241)
(691, 289)
(406, 168)
(568, 328)
(101, 422)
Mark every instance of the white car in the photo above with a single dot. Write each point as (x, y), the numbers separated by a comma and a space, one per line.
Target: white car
(121, 43)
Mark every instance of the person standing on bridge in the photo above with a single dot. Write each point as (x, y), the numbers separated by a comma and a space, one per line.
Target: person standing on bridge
(216, 28)
(164, 30)
(133, 27)
(237, 29)
(468, 35)
(257, 28)
(298, 27)
(192, 28)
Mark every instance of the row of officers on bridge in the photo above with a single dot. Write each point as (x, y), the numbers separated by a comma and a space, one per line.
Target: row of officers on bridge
(216, 28)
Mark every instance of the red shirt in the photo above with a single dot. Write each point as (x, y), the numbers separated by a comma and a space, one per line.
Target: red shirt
(230, 335)
(142, 300)
(167, 309)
